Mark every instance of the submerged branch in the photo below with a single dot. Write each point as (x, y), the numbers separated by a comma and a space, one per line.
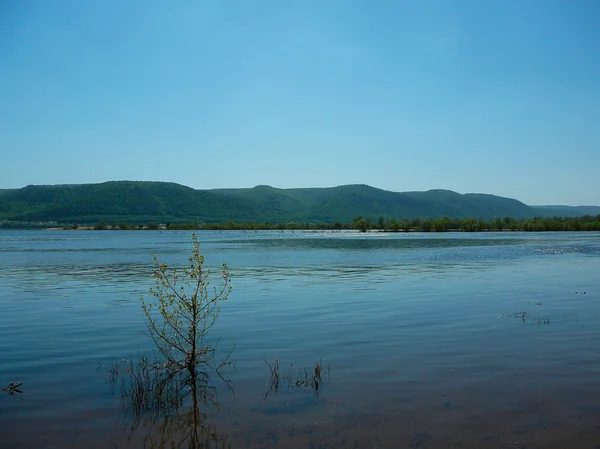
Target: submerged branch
(13, 387)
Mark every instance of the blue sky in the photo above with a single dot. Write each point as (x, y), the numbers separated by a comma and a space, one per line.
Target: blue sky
(488, 96)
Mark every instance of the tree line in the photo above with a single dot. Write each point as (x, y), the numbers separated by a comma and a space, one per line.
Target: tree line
(446, 224)
(364, 224)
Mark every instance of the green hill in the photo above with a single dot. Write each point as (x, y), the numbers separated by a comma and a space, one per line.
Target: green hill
(119, 201)
(140, 202)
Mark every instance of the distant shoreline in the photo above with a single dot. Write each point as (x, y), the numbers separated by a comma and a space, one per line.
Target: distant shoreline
(435, 225)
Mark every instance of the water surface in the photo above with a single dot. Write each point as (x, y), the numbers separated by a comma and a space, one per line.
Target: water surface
(424, 335)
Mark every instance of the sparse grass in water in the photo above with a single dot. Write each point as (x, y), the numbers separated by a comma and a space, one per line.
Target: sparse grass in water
(312, 380)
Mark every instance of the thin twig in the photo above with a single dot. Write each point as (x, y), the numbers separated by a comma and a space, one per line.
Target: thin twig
(13, 387)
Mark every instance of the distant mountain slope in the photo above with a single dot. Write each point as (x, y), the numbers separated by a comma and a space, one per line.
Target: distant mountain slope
(119, 200)
(566, 211)
(5, 191)
(274, 204)
(347, 202)
(498, 206)
(141, 201)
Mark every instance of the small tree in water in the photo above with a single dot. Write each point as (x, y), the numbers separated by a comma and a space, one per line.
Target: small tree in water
(182, 310)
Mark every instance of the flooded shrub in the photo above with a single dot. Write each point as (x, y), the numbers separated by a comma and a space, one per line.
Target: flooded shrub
(182, 309)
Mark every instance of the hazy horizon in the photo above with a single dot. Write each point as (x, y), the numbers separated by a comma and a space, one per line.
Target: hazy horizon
(476, 97)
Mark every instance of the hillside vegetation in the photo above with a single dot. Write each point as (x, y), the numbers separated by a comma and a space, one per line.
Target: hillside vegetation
(139, 202)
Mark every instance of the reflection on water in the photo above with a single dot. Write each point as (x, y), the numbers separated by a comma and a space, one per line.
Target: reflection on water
(164, 408)
(453, 340)
(183, 430)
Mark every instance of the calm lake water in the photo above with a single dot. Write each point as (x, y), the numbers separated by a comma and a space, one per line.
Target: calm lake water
(424, 338)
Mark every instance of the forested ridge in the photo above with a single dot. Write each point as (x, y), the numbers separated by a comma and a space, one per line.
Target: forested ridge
(142, 202)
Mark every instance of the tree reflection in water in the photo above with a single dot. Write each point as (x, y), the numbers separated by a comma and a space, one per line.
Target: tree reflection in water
(167, 409)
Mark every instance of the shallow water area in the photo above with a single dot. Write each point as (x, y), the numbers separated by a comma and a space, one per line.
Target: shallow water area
(429, 340)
